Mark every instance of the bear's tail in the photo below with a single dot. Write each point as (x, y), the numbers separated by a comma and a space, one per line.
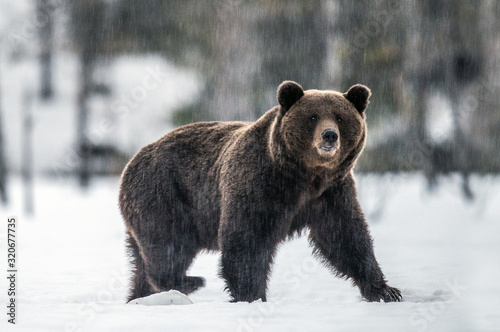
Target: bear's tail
(140, 286)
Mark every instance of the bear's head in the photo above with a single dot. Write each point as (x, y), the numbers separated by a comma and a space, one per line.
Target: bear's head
(322, 130)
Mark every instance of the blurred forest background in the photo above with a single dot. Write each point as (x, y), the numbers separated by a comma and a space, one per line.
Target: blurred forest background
(71, 105)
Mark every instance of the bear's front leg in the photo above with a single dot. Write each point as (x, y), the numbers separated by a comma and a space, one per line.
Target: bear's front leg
(340, 236)
(248, 241)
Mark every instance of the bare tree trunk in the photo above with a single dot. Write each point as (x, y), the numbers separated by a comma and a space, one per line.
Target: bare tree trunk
(418, 73)
(3, 164)
(83, 144)
(27, 152)
(232, 93)
(45, 9)
(89, 35)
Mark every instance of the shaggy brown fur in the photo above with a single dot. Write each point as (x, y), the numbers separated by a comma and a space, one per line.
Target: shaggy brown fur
(244, 187)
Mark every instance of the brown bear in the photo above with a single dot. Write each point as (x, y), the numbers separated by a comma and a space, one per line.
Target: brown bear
(244, 187)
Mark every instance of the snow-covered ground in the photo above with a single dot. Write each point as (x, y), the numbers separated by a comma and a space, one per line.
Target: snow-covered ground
(442, 252)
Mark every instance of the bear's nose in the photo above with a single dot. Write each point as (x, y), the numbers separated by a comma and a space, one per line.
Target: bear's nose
(330, 136)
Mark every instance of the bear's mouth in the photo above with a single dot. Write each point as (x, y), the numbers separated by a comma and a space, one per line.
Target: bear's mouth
(327, 149)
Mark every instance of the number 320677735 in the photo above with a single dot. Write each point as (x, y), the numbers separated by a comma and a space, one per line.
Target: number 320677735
(11, 242)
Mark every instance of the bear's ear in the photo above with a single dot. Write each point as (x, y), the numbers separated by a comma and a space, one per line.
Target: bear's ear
(288, 94)
(358, 95)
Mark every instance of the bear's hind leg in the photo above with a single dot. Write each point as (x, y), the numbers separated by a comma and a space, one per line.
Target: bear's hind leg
(166, 268)
(189, 284)
(140, 286)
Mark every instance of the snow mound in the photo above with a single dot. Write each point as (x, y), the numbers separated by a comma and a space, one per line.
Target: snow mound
(163, 298)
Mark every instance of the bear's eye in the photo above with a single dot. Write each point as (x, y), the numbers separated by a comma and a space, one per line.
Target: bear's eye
(314, 118)
(339, 119)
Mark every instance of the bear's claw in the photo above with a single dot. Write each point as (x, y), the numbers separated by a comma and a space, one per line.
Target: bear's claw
(392, 295)
(386, 293)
